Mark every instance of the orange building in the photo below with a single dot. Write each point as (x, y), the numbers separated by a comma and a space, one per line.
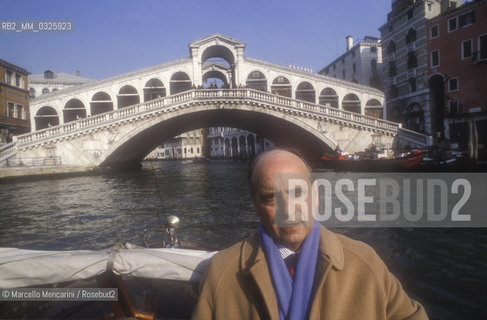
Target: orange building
(14, 101)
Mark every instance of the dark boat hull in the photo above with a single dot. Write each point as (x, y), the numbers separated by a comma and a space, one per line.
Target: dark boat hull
(374, 165)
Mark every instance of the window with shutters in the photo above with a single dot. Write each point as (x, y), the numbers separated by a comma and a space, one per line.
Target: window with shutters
(435, 58)
(467, 49)
(467, 19)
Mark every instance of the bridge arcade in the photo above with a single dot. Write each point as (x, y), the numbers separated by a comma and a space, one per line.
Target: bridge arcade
(218, 57)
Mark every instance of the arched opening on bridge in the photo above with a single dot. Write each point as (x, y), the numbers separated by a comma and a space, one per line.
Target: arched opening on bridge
(282, 87)
(220, 55)
(46, 117)
(414, 118)
(330, 97)
(373, 108)
(251, 143)
(154, 89)
(180, 82)
(101, 103)
(256, 80)
(437, 89)
(74, 110)
(217, 61)
(306, 92)
(127, 96)
(214, 80)
(218, 52)
(351, 103)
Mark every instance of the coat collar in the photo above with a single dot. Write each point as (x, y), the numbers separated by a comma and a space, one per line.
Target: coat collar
(330, 249)
(254, 264)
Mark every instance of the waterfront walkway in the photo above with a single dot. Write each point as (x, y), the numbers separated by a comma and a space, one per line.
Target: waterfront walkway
(17, 172)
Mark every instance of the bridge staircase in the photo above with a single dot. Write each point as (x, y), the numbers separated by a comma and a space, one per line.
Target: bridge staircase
(7, 152)
(412, 139)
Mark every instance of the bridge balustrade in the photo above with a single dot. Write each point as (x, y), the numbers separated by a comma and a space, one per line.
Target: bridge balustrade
(204, 94)
(8, 150)
(415, 136)
(33, 162)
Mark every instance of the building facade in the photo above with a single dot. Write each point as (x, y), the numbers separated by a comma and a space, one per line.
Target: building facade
(457, 72)
(49, 81)
(405, 63)
(188, 145)
(361, 63)
(214, 143)
(226, 143)
(14, 101)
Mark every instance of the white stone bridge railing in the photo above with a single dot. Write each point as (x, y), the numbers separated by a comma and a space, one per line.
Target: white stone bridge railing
(7, 151)
(145, 109)
(415, 138)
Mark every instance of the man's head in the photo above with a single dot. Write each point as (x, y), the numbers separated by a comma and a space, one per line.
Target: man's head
(271, 200)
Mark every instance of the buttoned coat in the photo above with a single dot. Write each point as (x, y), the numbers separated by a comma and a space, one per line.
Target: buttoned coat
(351, 282)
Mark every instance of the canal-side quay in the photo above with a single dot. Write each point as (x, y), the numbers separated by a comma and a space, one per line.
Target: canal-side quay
(44, 171)
(62, 170)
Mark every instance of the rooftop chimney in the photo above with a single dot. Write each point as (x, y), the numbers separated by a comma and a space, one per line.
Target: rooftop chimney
(349, 42)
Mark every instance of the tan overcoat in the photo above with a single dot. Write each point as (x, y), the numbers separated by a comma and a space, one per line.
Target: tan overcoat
(351, 282)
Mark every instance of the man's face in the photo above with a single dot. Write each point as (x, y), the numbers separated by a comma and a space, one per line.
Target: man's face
(271, 199)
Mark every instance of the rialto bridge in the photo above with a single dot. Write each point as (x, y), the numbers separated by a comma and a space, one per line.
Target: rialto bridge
(121, 119)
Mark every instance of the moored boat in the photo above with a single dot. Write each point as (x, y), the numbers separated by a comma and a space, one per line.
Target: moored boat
(151, 283)
(403, 162)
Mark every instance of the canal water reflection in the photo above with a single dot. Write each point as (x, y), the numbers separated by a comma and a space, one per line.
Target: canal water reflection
(445, 269)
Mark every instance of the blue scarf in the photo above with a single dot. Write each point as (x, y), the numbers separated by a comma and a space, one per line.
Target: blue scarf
(293, 296)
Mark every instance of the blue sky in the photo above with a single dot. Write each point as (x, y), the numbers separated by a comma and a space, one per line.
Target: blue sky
(112, 37)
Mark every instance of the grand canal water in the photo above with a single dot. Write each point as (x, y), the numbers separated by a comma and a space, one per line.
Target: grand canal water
(445, 269)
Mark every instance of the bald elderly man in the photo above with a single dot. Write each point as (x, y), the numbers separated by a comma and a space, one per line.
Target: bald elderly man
(298, 270)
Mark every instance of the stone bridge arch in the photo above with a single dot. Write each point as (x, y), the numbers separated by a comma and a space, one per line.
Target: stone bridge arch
(218, 51)
(130, 147)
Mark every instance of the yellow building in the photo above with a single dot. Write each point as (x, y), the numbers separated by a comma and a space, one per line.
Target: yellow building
(14, 101)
